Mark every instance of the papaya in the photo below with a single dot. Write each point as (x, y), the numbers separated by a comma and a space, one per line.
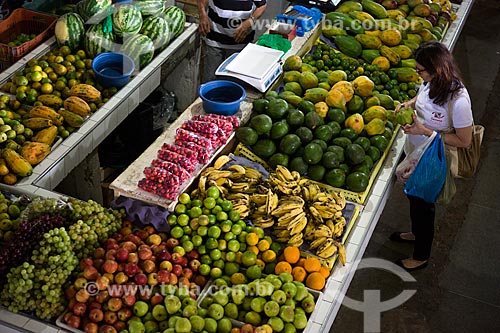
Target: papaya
(321, 109)
(349, 6)
(391, 37)
(85, 92)
(414, 3)
(72, 119)
(336, 99)
(382, 62)
(411, 44)
(404, 74)
(386, 101)
(404, 116)
(306, 68)
(315, 95)
(50, 100)
(35, 152)
(366, 19)
(46, 112)
(322, 76)
(422, 10)
(37, 123)
(332, 31)
(371, 101)
(16, 163)
(376, 111)
(46, 135)
(294, 87)
(425, 22)
(427, 35)
(308, 80)
(369, 42)
(363, 86)
(355, 122)
(77, 105)
(412, 63)
(292, 63)
(403, 51)
(369, 55)
(396, 14)
(336, 76)
(415, 38)
(349, 46)
(345, 87)
(355, 105)
(373, 8)
(375, 32)
(352, 26)
(392, 56)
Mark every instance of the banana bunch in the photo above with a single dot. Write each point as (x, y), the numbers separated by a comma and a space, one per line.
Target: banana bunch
(285, 182)
(291, 220)
(265, 203)
(323, 237)
(241, 203)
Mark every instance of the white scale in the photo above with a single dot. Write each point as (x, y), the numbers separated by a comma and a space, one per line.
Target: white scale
(259, 66)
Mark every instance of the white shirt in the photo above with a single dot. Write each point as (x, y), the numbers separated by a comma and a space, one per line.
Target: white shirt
(435, 116)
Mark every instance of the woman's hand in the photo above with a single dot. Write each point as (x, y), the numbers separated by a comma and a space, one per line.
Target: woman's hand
(416, 128)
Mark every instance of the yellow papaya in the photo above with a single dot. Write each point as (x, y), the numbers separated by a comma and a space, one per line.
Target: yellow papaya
(37, 123)
(349, 6)
(404, 74)
(35, 152)
(308, 80)
(336, 76)
(416, 38)
(77, 105)
(367, 20)
(369, 42)
(50, 100)
(333, 31)
(376, 126)
(382, 63)
(85, 92)
(16, 163)
(403, 51)
(292, 63)
(294, 87)
(336, 99)
(376, 111)
(392, 56)
(375, 33)
(363, 86)
(355, 122)
(46, 135)
(321, 109)
(396, 14)
(315, 95)
(47, 112)
(391, 37)
(345, 87)
(72, 119)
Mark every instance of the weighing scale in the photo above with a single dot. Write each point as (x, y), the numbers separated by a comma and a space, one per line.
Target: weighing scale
(259, 66)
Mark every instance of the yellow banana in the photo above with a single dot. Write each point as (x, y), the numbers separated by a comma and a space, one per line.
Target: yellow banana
(341, 252)
(237, 168)
(282, 233)
(240, 187)
(339, 199)
(286, 219)
(308, 231)
(219, 162)
(315, 214)
(216, 174)
(296, 176)
(252, 173)
(291, 199)
(313, 191)
(283, 173)
(305, 192)
(238, 196)
(271, 201)
(329, 223)
(339, 229)
(317, 242)
(208, 170)
(259, 199)
(202, 184)
(296, 240)
(299, 226)
(322, 231)
(327, 249)
(295, 220)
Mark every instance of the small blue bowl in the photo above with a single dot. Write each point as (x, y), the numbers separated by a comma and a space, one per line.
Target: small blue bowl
(222, 97)
(113, 69)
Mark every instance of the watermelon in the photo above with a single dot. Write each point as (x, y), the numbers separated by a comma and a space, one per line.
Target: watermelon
(97, 41)
(158, 30)
(93, 11)
(127, 20)
(176, 19)
(69, 30)
(140, 48)
(150, 7)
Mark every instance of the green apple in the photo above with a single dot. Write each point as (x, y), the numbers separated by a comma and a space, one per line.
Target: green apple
(253, 318)
(279, 296)
(287, 313)
(289, 328)
(189, 310)
(300, 321)
(302, 293)
(276, 323)
(183, 325)
(172, 320)
(135, 326)
(221, 297)
(308, 303)
(224, 326)
(265, 288)
(210, 325)
(159, 312)
(285, 277)
(197, 323)
(257, 304)
(271, 309)
(140, 308)
(290, 289)
(216, 311)
(172, 304)
(231, 310)
(238, 295)
(151, 326)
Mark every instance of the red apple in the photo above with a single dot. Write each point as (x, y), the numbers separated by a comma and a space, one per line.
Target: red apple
(102, 296)
(134, 239)
(131, 269)
(73, 321)
(129, 246)
(116, 290)
(99, 253)
(177, 270)
(110, 243)
(145, 294)
(90, 328)
(163, 276)
(86, 262)
(124, 314)
(148, 266)
(102, 282)
(152, 279)
(121, 278)
(79, 309)
(144, 252)
(184, 261)
(70, 292)
(166, 265)
(98, 263)
(194, 265)
(200, 280)
(94, 305)
(133, 257)
(141, 279)
(67, 316)
(173, 279)
(110, 266)
(156, 299)
(120, 326)
(187, 273)
(193, 254)
(142, 234)
(110, 254)
(122, 254)
(72, 303)
(163, 255)
(96, 315)
(82, 296)
(149, 229)
(115, 304)
(90, 273)
(118, 237)
(110, 317)
(171, 243)
(107, 329)
(184, 282)
(129, 299)
(176, 258)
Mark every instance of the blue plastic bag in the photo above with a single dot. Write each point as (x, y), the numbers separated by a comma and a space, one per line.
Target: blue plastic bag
(427, 180)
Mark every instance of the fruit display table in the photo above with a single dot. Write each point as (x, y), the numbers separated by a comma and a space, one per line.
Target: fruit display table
(72, 151)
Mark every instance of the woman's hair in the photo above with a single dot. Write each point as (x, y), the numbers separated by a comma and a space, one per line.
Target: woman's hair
(439, 62)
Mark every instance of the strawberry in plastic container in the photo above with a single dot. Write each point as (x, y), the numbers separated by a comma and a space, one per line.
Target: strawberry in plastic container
(184, 135)
(178, 159)
(224, 124)
(160, 189)
(203, 154)
(162, 176)
(173, 168)
(200, 127)
(190, 154)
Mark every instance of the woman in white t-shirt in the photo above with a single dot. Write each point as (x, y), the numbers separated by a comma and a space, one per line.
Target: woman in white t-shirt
(442, 89)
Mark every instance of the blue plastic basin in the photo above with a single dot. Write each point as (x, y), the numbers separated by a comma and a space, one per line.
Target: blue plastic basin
(113, 69)
(222, 97)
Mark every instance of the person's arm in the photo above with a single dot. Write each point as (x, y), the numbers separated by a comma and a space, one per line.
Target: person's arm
(410, 103)
(461, 138)
(246, 26)
(204, 25)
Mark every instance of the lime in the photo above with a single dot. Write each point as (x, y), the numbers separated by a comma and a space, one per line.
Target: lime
(213, 192)
(234, 215)
(214, 231)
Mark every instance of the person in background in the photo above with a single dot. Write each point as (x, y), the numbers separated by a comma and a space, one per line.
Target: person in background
(227, 27)
(442, 89)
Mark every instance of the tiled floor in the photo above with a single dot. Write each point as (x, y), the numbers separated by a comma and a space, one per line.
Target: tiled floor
(459, 291)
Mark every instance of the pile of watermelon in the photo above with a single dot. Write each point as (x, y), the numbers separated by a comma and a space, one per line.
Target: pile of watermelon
(139, 29)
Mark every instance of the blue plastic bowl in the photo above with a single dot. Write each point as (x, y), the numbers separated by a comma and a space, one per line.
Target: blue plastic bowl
(222, 97)
(113, 69)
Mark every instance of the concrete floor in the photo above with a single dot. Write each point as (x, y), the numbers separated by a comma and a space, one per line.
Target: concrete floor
(459, 291)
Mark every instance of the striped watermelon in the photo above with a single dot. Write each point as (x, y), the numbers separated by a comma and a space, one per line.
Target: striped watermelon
(176, 19)
(127, 19)
(97, 41)
(158, 30)
(151, 7)
(140, 48)
(93, 11)
(69, 30)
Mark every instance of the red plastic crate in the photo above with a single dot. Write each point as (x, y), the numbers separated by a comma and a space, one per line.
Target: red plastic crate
(23, 21)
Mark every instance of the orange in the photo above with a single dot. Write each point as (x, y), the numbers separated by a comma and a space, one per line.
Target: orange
(252, 238)
(315, 281)
(238, 278)
(263, 245)
(269, 256)
(282, 267)
(324, 271)
(300, 263)
(312, 265)
(299, 273)
(254, 249)
(292, 254)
